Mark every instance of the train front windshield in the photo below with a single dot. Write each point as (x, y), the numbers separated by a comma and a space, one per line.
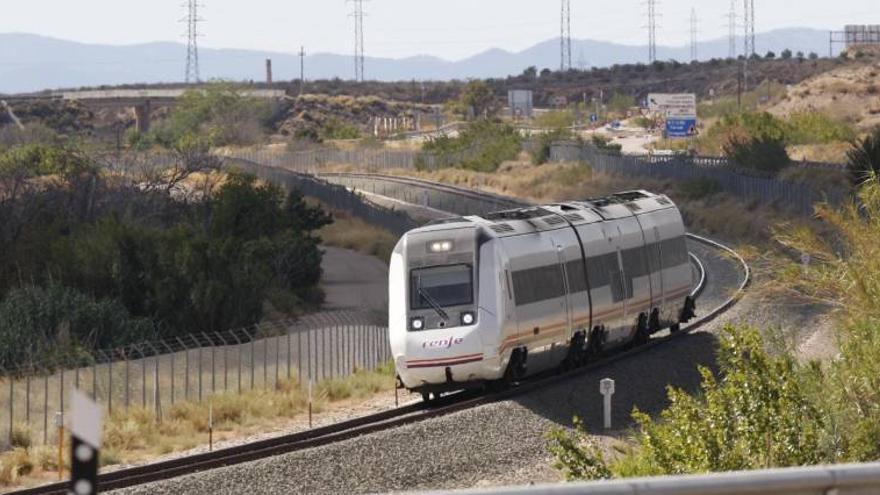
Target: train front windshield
(443, 286)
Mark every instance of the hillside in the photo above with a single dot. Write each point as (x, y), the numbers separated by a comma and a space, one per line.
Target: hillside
(850, 93)
(32, 63)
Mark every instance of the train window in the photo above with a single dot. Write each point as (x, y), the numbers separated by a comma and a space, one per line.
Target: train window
(538, 284)
(577, 281)
(444, 286)
(601, 269)
(635, 262)
(674, 252)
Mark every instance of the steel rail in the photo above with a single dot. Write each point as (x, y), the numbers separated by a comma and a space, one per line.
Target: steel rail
(396, 417)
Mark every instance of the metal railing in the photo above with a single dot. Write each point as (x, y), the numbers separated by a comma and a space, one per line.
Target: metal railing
(845, 479)
(156, 375)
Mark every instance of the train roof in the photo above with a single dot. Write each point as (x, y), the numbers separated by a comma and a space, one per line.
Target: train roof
(559, 215)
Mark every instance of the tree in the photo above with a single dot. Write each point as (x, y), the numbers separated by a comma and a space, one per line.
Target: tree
(786, 54)
(479, 97)
(531, 73)
(863, 158)
(814, 56)
(770, 55)
(761, 153)
(800, 56)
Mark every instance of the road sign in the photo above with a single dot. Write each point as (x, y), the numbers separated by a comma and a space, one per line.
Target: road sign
(85, 428)
(681, 127)
(673, 104)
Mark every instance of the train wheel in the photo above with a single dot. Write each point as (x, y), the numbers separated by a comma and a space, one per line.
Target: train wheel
(643, 333)
(426, 396)
(576, 352)
(596, 343)
(675, 328)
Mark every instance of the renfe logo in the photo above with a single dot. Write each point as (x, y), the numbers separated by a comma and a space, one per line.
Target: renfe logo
(442, 343)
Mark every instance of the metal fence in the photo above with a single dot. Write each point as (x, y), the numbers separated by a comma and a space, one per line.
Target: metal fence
(443, 197)
(156, 375)
(313, 161)
(797, 197)
(333, 195)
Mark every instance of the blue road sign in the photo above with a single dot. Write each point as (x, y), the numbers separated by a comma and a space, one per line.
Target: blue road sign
(680, 128)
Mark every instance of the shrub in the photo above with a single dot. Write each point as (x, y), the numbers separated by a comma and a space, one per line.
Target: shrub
(540, 152)
(605, 144)
(759, 413)
(863, 158)
(483, 146)
(764, 154)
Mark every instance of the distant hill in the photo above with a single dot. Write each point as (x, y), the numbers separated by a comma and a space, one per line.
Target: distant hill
(32, 63)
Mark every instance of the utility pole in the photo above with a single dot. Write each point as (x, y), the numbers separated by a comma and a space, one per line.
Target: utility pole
(192, 20)
(694, 54)
(652, 31)
(749, 42)
(302, 69)
(358, 15)
(731, 30)
(565, 36)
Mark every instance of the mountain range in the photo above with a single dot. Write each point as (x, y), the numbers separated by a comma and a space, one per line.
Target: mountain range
(31, 62)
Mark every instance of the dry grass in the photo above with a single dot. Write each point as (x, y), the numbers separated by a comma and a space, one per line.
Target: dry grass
(137, 434)
(717, 214)
(349, 232)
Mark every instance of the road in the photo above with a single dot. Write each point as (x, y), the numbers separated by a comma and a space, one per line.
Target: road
(353, 280)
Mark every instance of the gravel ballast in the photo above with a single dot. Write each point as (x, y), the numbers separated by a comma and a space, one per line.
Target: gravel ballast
(498, 444)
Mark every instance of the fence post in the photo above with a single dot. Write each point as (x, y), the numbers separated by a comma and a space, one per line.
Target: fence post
(288, 355)
(27, 396)
(125, 358)
(172, 352)
(110, 385)
(45, 407)
(143, 377)
(199, 368)
(277, 358)
(299, 356)
(11, 404)
(266, 363)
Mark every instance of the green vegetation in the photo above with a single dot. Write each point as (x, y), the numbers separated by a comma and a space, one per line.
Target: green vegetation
(697, 189)
(605, 144)
(555, 119)
(477, 100)
(863, 159)
(766, 409)
(762, 153)
(90, 261)
(218, 116)
(482, 146)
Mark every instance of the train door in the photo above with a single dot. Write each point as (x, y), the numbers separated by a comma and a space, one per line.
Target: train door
(656, 257)
(613, 316)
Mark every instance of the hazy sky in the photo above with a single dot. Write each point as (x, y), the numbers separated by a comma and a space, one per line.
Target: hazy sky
(451, 29)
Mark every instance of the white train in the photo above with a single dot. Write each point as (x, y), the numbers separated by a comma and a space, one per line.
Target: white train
(479, 300)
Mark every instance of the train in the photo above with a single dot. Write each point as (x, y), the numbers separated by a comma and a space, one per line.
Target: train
(488, 300)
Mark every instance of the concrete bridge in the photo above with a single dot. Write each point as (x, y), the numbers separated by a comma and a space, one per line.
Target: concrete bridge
(141, 101)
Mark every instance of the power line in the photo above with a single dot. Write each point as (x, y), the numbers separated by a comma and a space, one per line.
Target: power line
(731, 28)
(192, 40)
(565, 36)
(694, 54)
(358, 15)
(652, 30)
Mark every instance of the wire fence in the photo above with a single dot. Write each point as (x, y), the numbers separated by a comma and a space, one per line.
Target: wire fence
(797, 197)
(157, 375)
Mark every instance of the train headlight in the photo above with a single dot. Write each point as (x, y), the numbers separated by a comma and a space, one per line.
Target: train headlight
(468, 318)
(417, 323)
(440, 246)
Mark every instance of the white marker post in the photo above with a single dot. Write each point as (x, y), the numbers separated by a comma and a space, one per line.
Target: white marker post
(606, 388)
(85, 428)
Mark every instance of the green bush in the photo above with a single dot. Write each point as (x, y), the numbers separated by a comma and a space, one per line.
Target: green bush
(759, 413)
(482, 146)
(605, 144)
(863, 158)
(763, 154)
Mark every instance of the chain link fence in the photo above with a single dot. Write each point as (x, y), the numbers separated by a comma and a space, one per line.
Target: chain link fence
(796, 197)
(156, 375)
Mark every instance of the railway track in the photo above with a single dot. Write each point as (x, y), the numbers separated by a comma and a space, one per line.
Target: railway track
(408, 414)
